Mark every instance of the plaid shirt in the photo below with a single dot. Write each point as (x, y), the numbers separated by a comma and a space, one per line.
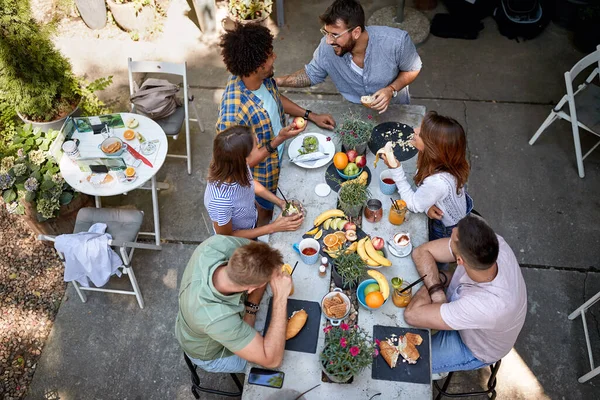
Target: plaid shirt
(239, 106)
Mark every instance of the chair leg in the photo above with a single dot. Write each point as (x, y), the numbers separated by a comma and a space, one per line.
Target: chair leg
(82, 296)
(551, 118)
(577, 143)
(237, 382)
(136, 288)
(196, 382)
(442, 391)
(193, 104)
(188, 147)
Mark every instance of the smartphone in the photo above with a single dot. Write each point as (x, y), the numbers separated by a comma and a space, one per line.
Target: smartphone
(99, 169)
(266, 377)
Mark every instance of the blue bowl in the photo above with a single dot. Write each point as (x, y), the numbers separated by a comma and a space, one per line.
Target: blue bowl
(340, 173)
(361, 295)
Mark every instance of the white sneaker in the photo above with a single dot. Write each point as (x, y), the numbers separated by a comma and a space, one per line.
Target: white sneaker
(437, 377)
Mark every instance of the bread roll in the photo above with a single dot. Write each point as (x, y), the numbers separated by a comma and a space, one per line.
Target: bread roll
(367, 100)
(389, 353)
(295, 324)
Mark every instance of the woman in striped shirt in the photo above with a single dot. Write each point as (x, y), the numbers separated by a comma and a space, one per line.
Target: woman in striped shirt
(230, 190)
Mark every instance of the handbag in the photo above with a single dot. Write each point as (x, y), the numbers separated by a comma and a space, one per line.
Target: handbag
(155, 98)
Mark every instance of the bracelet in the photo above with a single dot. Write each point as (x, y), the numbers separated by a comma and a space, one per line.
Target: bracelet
(306, 113)
(253, 306)
(435, 288)
(251, 312)
(270, 148)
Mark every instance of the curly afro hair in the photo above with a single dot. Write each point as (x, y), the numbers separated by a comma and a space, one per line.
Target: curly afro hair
(246, 48)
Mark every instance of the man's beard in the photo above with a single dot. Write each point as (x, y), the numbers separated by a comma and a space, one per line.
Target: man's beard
(345, 49)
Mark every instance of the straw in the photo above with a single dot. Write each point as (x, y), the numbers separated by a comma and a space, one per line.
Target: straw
(282, 195)
(413, 284)
(394, 205)
(293, 269)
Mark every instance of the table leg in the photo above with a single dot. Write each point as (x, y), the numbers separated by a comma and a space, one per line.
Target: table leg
(155, 211)
(206, 12)
(98, 201)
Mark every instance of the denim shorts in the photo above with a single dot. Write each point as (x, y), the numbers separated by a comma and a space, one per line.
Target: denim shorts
(232, 364)
(449, 353)
(437, 230)
(266, 204)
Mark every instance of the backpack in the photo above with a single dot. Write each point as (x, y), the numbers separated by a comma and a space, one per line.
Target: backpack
(520, 18)
(155, 98)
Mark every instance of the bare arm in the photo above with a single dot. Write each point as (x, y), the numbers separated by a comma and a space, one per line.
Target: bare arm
(322, 120)
(298, 79)
(261, 191)
(422, 313)
(281, 224)
(384, 95)
(425, 257)
(268, 351)
(254, 297)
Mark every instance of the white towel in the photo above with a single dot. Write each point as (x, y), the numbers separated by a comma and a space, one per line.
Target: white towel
(88, 256)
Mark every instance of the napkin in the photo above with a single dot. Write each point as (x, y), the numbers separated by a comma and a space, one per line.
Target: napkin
(317, 155)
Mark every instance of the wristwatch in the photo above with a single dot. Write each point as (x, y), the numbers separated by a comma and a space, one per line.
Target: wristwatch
(394, 91)
(306, 113)
(270, 147)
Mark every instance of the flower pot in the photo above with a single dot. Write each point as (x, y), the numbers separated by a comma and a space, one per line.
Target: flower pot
(352, 211)
(339, 281)
(64, 223)
(93, 13)
(360, 148)
(334, 378)
(128, 19)
(262, 20)
(54, 125)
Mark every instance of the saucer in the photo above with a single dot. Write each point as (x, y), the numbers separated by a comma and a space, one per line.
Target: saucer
(322, 189)
(397, 253)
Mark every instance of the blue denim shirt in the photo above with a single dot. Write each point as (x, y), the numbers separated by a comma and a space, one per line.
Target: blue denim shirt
(389, 52)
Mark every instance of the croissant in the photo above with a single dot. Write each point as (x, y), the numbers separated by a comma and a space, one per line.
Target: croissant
(388, 150)
(408, 350)
(389, 353)
(295, 323)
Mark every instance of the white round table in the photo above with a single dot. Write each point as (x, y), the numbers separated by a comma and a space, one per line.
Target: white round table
(89, 148)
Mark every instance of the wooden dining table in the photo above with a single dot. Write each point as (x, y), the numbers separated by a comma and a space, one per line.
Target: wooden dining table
(302, 370)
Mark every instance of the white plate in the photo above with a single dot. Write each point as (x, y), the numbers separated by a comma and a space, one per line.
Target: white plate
(324, 146)
(322, 189)
(398, 253)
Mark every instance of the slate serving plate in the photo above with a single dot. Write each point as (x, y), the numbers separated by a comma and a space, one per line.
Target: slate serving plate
(392, 131)
(403, 372)
(306, 340)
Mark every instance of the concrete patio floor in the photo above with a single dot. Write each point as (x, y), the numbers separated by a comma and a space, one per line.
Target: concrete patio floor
(500, 90)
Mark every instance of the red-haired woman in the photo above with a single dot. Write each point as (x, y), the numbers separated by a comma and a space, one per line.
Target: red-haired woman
(230, 190)
(442, 172)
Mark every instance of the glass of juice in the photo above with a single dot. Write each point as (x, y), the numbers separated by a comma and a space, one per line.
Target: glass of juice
(287, 269)
(397, 212)
(402, 299)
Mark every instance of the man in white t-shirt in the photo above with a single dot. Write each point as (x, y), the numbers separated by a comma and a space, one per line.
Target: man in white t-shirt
(480, 309)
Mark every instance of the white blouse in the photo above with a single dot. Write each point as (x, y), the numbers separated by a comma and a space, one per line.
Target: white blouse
(438, 189)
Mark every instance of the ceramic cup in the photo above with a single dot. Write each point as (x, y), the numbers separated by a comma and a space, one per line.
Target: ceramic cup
(70, 148)
(386, 188)
(400, 242)
(306, 244)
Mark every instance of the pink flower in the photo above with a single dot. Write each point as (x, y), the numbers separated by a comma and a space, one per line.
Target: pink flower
(328, 138)
(354, 134)
(327, 329)
(354, 351)
(377, 341)
(330, 362)
(376, 353)
(343, 342)
(344, 326)
(370, 116)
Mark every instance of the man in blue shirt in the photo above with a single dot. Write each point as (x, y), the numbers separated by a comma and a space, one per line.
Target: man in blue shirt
(373, 61)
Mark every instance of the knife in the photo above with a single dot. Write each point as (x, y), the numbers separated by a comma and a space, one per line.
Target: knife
(137, 155)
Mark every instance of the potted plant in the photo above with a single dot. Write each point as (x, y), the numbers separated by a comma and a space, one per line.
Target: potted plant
(31, 183)
(355, 132)
(36, 79)
(352, 196)
(347, 351)
(133, 15)
(250, 11)
(347, 270)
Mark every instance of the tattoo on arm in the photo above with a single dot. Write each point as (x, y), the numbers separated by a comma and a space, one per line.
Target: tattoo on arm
(298, 79)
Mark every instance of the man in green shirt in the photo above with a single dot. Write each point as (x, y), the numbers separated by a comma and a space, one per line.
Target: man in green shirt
(221, 288)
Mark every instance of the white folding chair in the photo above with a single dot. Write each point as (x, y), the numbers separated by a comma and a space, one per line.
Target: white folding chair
(581, 311)
(123, 225)
(172, 124)
(583, 113)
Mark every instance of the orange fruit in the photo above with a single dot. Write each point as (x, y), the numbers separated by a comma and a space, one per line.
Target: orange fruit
(340, 160)
(330, 240)
(341, 236)
(286, 268)
(374, 299)
(129, 172)
(129, 134)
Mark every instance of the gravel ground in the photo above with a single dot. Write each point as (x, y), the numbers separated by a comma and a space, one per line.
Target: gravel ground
(31, 290)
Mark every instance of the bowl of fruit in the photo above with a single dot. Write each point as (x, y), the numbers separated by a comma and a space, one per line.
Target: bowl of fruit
(350, 164)
(369, 294)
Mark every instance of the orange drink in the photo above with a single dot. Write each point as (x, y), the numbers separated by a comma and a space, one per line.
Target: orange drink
(402, 299)
(397, 212)
(287, 269)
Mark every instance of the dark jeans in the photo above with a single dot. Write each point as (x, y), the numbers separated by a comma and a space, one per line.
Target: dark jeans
(437, 230)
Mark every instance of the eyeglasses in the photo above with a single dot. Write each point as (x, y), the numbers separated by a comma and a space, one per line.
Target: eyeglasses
(334, 36)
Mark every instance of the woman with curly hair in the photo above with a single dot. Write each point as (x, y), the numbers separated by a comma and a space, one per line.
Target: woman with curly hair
(442, 172)
(230, 189)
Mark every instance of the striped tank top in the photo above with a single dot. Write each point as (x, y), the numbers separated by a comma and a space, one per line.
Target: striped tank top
(231, 202)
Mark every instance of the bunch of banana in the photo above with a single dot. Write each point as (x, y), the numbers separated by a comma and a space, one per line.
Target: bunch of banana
(317, 232)
(384, 286)
(369, 255)
(362, 179)
(324, 216)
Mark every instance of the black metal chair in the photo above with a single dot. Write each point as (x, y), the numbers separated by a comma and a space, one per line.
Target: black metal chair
(196, 382)
(491, 386)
